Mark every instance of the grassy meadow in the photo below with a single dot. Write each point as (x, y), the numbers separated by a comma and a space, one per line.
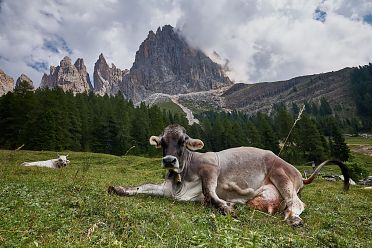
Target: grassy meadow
(69, 207)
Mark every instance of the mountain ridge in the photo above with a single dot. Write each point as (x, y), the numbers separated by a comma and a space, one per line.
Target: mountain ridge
(166, 64)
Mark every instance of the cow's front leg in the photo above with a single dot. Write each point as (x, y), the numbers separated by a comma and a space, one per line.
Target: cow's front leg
(150, 189)
(209, 176)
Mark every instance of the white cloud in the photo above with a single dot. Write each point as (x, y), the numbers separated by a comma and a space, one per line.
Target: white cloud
(263, 40)
(273, 40)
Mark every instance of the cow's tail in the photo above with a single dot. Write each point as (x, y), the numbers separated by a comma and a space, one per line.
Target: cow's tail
(343, 167)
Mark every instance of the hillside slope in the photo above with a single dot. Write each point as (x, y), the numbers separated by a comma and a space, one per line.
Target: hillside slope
(251, 98)
(334, 86)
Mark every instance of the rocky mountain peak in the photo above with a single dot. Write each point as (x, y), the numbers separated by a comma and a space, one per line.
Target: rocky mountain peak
(25, 80)
(79, 64)
(165, 63)
(66, 61)
(6, 83)
(101, 58)
(106, 79)
(67, 76)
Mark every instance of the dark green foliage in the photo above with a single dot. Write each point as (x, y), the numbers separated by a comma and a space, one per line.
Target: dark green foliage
(337, 144)
(309, 140)
(55, 120)
(357, 171)
(268, 137)
(361, 79)
(324, 109)
(306, 142)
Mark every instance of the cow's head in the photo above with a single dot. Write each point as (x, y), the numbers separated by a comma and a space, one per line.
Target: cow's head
(62, 160)
(174, 141)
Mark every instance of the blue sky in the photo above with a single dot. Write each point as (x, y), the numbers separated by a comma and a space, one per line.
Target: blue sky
(260, 40)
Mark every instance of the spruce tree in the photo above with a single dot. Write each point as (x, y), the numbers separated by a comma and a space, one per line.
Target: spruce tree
(309, 140)
(338, 147)
(268, 138)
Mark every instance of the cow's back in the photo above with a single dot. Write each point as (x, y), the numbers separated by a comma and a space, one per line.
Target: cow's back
(246, 166)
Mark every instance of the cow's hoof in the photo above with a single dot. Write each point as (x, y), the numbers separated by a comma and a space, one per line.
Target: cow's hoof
(296, 221)
(228, 209)
(117, 191)
(111, 190)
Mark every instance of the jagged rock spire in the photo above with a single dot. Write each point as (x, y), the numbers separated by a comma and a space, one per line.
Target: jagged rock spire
(24, 79)
(67, 76)
(106, 79)
(6, 83)
(165, 63)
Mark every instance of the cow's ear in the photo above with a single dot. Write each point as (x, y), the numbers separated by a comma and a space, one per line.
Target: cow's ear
(194, 144)
(155, 141)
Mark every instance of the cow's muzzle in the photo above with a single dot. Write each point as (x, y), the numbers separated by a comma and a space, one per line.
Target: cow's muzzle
(170, 161)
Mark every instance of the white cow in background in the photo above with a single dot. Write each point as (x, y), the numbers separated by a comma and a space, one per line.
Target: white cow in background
(59, 162)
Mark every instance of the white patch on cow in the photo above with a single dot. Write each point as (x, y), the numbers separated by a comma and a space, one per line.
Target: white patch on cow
(189, 191)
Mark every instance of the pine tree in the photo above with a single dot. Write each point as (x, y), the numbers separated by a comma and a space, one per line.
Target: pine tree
(283, 123)
(337, 144)
(309, 140)
(324, 109)
(252, 135)
(268, 138)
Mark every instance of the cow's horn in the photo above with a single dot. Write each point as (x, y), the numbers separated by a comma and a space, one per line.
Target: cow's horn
(155, 141)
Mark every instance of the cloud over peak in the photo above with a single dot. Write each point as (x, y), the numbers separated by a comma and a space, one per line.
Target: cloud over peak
(261, 40)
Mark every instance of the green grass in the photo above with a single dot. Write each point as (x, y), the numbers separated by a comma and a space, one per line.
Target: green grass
(170, 106)
(69, 207)
(364, 160)
(358, 141)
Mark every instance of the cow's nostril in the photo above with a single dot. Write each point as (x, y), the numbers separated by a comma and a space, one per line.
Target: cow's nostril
(169, 160)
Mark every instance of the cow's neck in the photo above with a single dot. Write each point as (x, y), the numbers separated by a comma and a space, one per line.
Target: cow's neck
(185, 160)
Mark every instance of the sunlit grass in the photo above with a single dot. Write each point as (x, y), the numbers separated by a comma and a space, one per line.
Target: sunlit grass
(358, 140)
(71, 208)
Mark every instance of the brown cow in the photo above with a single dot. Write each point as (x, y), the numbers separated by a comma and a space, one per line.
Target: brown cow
(245, 175)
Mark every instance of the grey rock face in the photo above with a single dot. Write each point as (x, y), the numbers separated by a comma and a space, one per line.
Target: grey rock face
(6, 83)
(106, 78)
(165, 63)
(67, 76)
(23, 78)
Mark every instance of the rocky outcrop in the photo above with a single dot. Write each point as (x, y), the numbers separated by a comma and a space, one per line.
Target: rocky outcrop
(68, 76)
(26, 81)
(6, 83)
(106, 78)
(165, 63)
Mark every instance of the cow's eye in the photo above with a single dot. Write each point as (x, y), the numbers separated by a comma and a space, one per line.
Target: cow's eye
(181, 142)
(163, 144)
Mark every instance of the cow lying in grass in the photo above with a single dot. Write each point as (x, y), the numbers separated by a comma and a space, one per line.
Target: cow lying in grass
(245, 175)
(60, 161)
